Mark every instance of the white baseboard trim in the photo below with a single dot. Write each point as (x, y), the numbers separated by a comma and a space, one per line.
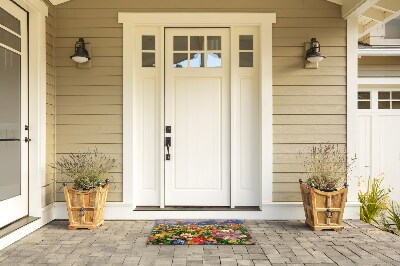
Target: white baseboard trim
(47, 216)
(270, 211)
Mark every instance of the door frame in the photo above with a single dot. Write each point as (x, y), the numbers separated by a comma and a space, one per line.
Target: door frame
(131, 118)
(37, 12)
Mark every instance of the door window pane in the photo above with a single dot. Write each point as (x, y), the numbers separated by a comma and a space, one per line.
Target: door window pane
(7, 20)
(148, 42)
(384, 95)
(10, 124)
(197, 60)
(364, 95)
(364, 105)
(214, 43)
(148, 59)
(197, 43)
(246, 59)
(214, 60)
(180, 60)
(180, 43)
(246, 42)
(396, 95)
(10, 39)
(384, 105)
(396, 105)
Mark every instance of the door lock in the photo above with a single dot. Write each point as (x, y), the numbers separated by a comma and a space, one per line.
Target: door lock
(168, 144)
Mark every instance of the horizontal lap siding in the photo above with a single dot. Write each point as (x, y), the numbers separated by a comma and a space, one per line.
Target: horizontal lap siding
(379, 66)
(309, 105)
(48, 188)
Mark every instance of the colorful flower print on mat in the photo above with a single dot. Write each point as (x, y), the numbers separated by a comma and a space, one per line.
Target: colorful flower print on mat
(200, 232)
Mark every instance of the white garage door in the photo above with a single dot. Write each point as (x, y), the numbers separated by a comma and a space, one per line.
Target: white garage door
(379, 136)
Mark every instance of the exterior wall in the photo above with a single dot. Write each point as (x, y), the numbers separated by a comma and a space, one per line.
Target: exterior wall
(379, 66)
(50, 107)
(309, 104)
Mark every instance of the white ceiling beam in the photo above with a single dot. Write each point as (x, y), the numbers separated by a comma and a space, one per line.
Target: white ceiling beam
(338, 2)
(389, 5)
(57, 2)
(354, 8)
(375, 14)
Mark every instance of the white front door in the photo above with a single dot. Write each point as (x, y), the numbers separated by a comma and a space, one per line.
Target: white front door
(378, 135)
(13, 113)
(197, 108)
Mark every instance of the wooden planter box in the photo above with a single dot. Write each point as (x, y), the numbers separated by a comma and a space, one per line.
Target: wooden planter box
(85, 207)
(323, 210)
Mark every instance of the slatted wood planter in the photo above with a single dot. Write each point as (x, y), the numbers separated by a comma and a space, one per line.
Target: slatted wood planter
(323, 210)
(85, 207)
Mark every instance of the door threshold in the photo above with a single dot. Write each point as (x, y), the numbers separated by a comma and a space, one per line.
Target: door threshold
(8, 229)
(196, 208)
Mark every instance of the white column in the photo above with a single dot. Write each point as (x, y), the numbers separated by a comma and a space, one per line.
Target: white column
(352, 87)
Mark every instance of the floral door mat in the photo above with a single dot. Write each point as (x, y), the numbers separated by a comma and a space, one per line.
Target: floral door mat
(200, 232)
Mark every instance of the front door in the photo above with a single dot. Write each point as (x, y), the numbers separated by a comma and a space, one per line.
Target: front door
(197, 110)
(13, 113)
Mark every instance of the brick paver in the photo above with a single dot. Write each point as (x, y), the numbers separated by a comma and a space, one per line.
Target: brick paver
(278, 243)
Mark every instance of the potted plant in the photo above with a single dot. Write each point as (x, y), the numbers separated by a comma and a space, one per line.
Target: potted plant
(324, 192)
(86, 198)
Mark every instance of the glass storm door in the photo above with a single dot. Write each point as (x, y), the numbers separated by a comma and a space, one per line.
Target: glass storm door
(197, 108)
(13, 113)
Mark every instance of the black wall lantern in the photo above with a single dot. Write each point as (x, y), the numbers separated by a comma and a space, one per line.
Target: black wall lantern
(313, 54)
(81, 54)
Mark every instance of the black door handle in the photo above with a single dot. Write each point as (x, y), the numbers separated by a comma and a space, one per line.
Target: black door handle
(168, 144)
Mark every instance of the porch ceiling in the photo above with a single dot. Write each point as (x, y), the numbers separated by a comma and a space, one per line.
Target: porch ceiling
(371, 13)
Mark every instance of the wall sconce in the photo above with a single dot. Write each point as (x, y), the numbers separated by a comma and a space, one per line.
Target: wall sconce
(313, 55)
(81, 54)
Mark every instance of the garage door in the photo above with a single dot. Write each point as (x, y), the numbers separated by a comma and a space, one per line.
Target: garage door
(379, 136)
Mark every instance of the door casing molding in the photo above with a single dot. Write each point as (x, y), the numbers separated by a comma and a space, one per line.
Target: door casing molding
(132, 160)
(37, 12)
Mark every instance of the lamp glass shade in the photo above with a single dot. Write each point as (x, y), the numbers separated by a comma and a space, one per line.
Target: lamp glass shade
(315, 58)
(81, 54)
(80, 59)
(313, 54)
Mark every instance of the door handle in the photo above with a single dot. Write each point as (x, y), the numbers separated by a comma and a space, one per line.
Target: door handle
(27, 139)
(168, 144)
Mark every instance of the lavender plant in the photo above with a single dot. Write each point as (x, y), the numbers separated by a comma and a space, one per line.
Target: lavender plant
(86, 170)
(325, 166)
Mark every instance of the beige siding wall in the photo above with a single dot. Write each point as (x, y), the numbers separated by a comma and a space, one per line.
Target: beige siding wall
(50, 106)
(379, 66)
(309, 105)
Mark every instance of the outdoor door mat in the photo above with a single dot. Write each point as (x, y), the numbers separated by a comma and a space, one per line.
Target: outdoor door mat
(200, 232)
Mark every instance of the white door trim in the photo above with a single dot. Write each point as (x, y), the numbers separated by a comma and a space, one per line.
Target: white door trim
(131, 124)
(37, 102)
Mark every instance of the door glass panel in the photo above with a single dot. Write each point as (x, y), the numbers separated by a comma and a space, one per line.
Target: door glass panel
(384, 95)
(214, 60)
(148, 59)
(364, 105)
(246, 59)
(180, 60)
(197, 43)
(148, 42)
(180, 43)
(396, 95)
(197, 60)
(396, 105)
(7, 20)
(364, 95)
(246, 42)
(384, 105)
(10, 39)
(214, 43)
(10, 121)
